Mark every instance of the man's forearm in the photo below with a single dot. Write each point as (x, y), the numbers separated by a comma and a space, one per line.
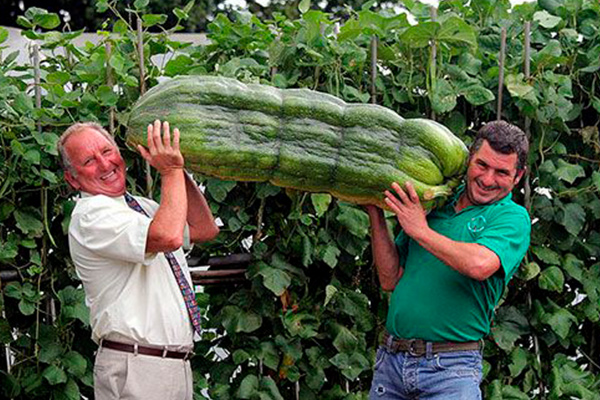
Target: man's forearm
(166, 229)
(470, 259)
(385, 253)
(199, 217)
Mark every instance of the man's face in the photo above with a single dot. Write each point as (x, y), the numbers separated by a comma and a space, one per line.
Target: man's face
(97, 164)
(491, 175)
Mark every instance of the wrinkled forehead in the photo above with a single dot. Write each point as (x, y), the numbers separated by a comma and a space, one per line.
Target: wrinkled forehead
(494, 157)
(86, 141)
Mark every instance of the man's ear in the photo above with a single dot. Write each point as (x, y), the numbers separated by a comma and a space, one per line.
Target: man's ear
(72, 180)
(520, 173)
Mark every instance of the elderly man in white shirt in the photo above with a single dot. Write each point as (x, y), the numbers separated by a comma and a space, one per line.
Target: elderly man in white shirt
(127, 252)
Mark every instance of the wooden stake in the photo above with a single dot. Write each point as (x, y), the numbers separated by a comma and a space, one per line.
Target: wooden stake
(217, 273)
(221, 281)
(110, 83)
(527, 127)
(433, 61)
(223, 262)
(140, 49)
(527, 49)
(37, 81)
(373, 69)
(501, 73)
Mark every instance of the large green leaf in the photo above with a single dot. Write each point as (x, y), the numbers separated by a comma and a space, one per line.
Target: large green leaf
(3, 35)
(69, 391)
(315, 378)
(561, 322)
(529, 271)
(9, 385)
(47, 21)
(513, 393)
(519, 89)
(331, 254)
(28, 222)
(552, 279)
(268, 389)
(420, 35)
(74, 363)
(8, 251)
(519, 360)
(107, 96)
(26, 307)
(236, 320)
(568, 172)
(269, 355)
(153, 19)
(510, 325)
(546, 255)
(14, 290)
(443, 98)
(5, 332)
(351, 366)
(478, 95)
(301, 324)
(50, 351)
(357, 221)
(73, 304)
(248, 387)
(219, 189)
(574, 218)
(330, 292)
(345, 341)
(456, 31)
(320, 202)
(54, 375)
(574, 266)
(274, 279)
(546, 20)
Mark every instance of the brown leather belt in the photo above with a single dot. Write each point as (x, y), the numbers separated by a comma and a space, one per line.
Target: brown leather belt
(149, 351)
(418, 347)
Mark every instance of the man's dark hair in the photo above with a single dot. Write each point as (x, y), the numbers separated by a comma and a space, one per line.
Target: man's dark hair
(504, 138)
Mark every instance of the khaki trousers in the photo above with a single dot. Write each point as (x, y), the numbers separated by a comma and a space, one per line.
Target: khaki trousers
(126, 376)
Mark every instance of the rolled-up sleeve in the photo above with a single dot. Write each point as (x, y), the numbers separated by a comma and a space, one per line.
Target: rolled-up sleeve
(110, 230)
(507, 235)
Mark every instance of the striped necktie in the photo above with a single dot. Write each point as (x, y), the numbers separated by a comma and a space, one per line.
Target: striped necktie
(188, 294)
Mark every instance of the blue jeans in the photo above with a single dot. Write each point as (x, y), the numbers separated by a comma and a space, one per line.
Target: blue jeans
(449, 376)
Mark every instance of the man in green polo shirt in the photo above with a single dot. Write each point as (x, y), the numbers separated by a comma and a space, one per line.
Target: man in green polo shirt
(447, 271)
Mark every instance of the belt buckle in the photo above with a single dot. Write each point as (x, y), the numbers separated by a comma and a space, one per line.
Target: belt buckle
(412, 348)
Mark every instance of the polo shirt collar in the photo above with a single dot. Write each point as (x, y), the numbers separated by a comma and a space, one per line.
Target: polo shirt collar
(460, 190)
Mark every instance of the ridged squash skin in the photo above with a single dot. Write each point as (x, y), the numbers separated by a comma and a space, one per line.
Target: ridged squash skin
(302, 139)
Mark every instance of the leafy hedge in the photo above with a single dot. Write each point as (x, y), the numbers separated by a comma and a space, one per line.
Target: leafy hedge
(306, 323)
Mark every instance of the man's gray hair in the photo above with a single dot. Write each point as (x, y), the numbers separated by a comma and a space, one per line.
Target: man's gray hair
(65, 161)
(504, 138)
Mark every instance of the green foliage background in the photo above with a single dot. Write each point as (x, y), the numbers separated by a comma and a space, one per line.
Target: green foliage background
(306, 324)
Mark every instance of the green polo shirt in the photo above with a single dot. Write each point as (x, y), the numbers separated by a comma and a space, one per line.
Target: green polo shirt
(436, 303)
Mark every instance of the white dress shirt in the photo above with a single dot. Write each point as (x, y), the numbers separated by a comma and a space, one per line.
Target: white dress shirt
(133, 296)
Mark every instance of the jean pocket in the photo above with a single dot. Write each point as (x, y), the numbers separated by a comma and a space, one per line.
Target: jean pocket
(379, 358)
(459, 362)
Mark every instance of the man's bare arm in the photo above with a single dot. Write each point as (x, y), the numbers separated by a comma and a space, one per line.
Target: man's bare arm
(470, 259)
(199, 217)
(385, 252)
(166, 229)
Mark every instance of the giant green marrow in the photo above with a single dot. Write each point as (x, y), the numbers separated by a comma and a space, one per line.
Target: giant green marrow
(301, 139)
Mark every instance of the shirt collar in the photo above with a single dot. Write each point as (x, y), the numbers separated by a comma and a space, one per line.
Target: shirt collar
(83, 195)
(460, 190)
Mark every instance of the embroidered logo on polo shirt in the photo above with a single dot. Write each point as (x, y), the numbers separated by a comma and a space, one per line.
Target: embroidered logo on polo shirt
(477, 224)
